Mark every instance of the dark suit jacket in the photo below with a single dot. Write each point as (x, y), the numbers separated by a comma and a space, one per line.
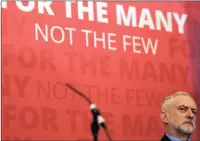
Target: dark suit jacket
(165, 138)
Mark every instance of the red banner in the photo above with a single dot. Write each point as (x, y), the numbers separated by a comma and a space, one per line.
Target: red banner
(125, 56)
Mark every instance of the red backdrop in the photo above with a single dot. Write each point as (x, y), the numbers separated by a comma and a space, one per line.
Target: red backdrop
(127, 86)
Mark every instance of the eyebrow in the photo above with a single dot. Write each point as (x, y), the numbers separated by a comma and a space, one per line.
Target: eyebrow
(194, 109)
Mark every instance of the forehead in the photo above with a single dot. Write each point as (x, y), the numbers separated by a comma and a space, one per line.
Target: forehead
(185, 101)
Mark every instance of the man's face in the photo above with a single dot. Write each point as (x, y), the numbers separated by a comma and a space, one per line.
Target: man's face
(182, 114)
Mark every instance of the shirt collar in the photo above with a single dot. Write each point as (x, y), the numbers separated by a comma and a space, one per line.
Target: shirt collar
(172, 138)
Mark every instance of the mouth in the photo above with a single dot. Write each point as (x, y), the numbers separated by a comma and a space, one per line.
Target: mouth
(188, 123)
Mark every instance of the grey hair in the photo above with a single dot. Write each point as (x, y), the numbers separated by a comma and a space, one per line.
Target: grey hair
(167, 100)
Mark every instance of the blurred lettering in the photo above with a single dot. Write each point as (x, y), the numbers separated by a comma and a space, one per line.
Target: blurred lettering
(14, 83)
(156, 72)
(29, 117)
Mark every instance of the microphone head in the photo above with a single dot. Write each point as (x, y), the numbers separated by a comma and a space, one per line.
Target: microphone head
(94, 110)
(92, 106)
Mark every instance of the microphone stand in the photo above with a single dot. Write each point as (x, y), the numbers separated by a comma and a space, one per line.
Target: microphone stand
(95, 127)
(95, 112)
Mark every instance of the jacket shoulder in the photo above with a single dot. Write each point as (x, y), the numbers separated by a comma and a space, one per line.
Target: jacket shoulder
(165, 138)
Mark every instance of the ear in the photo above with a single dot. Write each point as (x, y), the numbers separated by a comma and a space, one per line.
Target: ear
(164, 117)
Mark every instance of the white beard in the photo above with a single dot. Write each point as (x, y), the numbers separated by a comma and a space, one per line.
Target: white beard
(185, 129)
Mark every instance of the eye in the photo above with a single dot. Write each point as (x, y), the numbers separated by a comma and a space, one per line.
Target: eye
(182, 109)
(194, 112)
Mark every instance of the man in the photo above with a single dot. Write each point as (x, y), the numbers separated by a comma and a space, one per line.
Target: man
(178, 113)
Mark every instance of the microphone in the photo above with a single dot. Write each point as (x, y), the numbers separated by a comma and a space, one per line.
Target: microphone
(95, 123)
(98, 120)
(96, 112)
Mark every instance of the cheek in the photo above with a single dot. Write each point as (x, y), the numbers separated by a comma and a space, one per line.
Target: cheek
(176, 118)
(194, 120)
